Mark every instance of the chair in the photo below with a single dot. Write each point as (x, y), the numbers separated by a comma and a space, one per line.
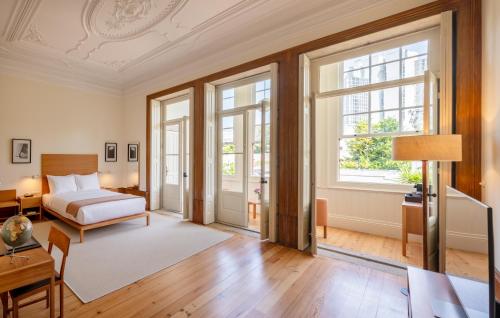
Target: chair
(322, 215)
(62, 241)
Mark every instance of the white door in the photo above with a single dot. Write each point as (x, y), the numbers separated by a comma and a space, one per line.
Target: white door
(265, 166)
(173, 167)
(232, 174)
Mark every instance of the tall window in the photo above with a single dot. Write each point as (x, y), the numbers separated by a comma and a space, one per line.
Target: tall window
(233, 97)
(380, 95)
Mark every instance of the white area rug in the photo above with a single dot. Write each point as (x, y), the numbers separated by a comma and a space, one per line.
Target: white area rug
(119, 255)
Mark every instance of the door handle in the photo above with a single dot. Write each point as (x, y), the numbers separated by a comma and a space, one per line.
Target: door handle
(185, 175)
(263, 181)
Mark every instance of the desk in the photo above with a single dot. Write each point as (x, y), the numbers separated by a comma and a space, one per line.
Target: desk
(411, 213)
(426, 288)
(22, 272)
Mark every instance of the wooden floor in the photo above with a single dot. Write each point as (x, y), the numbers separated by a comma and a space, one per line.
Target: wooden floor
(243, 277)
(462, 263)
(254, 224)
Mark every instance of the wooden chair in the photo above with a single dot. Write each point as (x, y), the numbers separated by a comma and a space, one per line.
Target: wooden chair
(62, 241)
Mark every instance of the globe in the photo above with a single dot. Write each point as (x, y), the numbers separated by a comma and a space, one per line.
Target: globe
(16, 230)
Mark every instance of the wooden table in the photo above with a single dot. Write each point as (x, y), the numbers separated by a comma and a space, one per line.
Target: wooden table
(411, 221)
(22, 272)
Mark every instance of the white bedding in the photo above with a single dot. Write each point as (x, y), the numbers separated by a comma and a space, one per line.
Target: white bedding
(93, 213)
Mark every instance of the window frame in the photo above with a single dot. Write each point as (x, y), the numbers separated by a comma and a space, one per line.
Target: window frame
(431, 34)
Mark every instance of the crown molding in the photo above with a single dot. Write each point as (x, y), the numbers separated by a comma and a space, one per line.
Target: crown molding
(20, 18)
(300, 31)
(50, 76)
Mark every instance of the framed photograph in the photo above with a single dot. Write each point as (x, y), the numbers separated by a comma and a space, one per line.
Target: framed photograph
(21, 150)
(133, 152)
(111, 152)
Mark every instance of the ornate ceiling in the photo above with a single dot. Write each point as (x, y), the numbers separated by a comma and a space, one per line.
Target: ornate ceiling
(118, 43)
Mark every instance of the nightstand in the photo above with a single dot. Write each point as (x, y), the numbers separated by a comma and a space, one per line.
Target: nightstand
(31, 202)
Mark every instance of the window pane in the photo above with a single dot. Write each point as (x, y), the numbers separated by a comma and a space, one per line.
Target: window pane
(413, 119)
(177, 110)
(413, 95)
(414, 66)
(355, 124)
(228, 93)
(330, 77)
(368, 159)
(385, 72)
(259, 96)
(382, 122)
(356, 103)
(356, 78)
(227, 103)
(385, 56)
(356, 63)
(232, 176)
(385, 99)
(415, 49)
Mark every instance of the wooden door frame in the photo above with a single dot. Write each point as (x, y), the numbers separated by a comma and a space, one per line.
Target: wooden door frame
(467, 104)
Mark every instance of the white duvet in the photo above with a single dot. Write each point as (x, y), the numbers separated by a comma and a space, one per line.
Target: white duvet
(96, 212)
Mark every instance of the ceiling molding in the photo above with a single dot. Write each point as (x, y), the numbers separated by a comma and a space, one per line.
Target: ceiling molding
(219, 18)
(24, 11)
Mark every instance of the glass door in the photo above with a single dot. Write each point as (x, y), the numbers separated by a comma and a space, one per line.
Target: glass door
(173, 166)
(264, 119)
(431, 106)
(232, 176)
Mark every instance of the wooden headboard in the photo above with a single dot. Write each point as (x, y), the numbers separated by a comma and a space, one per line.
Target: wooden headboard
(62, 165)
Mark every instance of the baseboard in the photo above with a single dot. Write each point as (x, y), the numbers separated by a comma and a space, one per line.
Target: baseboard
(471, 242)
(364, 225)
(463, 241)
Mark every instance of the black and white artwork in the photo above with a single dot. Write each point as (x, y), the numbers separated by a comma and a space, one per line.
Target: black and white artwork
(21, 150)
(111, 152)
(133, 152)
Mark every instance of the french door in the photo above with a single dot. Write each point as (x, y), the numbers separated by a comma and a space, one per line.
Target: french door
(175, 165)
(243, 149)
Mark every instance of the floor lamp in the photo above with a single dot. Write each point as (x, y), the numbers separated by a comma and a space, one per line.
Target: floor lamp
(427, 148)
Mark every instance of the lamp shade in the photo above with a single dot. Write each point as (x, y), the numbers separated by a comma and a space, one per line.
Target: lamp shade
(427, 147)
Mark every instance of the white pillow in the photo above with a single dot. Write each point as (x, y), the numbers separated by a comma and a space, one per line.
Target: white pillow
(87, 182)
(62, 184)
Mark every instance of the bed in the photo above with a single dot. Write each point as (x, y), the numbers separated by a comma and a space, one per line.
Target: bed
(105, 208)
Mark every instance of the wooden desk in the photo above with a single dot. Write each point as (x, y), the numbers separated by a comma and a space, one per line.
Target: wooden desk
(411, 214)
(8, 200)
(22, 272)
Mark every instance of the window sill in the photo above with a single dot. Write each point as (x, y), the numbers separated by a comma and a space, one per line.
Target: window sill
(374, 187)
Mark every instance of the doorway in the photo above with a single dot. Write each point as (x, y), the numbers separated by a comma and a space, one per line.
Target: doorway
(175, 161)
(243, 116)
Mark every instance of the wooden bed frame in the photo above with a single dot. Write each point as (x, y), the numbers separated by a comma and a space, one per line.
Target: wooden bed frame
(62, 165)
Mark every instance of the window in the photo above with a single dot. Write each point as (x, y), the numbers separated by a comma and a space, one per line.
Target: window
(249, 93)
(379, 95)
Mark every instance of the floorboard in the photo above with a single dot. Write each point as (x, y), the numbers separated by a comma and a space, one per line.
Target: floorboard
(244, 277)
(458, 262)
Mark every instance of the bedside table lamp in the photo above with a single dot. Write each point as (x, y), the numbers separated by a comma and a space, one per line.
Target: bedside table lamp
(427, 148)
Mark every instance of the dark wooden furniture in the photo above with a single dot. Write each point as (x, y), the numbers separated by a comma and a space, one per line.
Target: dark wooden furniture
(31, 202)
(8, 199)
(426, 287)
(411, 221)
(467, 110)
(62, 242)
(62, 165)
(21, 272)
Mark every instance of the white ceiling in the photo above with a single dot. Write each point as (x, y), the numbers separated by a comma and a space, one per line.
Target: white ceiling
(117, 44)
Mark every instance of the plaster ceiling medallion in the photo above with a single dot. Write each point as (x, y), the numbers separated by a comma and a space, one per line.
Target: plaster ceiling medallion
(125, 19)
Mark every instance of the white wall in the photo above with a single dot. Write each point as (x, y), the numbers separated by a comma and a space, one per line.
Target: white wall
(491, 113)
(58, 120)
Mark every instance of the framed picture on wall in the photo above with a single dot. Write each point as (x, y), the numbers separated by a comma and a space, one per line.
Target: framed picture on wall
(111, 152)
(21, 150)
(133, 152)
